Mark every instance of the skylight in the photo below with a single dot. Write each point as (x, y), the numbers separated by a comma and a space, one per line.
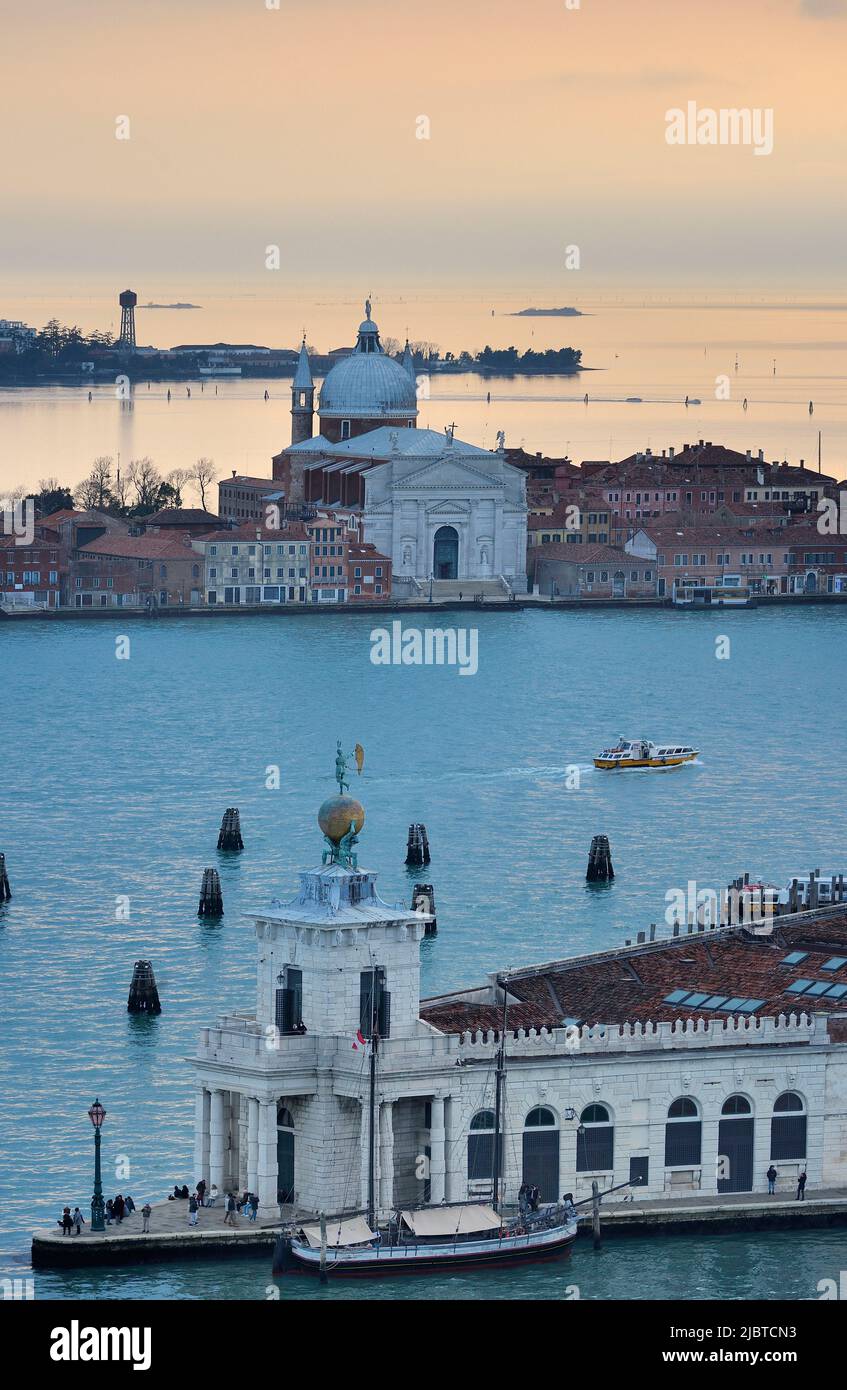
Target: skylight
(795, 958)
(721, 1003)
(798, 986)
(819, 988)
(834, 963)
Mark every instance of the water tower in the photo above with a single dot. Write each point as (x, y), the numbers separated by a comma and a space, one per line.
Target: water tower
(128, 301)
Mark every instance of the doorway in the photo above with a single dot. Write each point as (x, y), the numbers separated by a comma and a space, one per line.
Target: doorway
(445, 554)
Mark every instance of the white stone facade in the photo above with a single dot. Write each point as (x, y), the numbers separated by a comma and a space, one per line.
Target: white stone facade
(430, 1084)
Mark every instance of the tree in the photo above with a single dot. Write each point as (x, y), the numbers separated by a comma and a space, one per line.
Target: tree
(392, 347)
(147, 481)
(95, 492)
(177, 479)
(204, 474)
(52, 496)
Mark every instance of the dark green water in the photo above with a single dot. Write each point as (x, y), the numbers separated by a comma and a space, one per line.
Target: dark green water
(118, 772)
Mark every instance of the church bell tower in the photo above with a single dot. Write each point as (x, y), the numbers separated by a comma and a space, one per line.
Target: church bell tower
(302, 399)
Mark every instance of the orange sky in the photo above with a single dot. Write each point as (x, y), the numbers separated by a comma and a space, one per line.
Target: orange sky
(296, 126)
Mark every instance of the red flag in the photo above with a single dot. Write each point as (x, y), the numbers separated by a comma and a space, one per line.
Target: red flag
(359, 1040)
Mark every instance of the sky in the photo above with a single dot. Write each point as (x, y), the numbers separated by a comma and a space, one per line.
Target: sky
(253, 126)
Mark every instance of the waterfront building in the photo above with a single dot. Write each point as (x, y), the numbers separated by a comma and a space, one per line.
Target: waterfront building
(684, 1065)
(254, 564)
(560, 570)
(16, 336)
(788, 560)
(155, 570)
(344, 568)
(33, 575)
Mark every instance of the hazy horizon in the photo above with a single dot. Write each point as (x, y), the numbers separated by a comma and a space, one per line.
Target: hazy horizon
(252, 127)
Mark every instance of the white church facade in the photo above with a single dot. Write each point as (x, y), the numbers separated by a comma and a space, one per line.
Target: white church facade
(703, 1100)
(444, 510)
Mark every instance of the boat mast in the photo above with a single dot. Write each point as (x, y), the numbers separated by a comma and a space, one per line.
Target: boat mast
(372, 1102)
(498, 1098)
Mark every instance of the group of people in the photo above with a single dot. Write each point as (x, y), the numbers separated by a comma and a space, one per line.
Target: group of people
(245, 1205)
(528, 1197)
(772, 1176)
(114, 1211)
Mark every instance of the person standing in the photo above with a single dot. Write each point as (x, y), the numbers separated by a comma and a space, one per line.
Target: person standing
(129, 1206)
(801, 1186)
(252, 1206)
(109, 1211)
(146, 1213)
(192, 1211)
(78, 1220)
(65, 1221)
(229, 1215)
(201, 1191)
(118, 1208)
(771, 1176)
(213, 1195)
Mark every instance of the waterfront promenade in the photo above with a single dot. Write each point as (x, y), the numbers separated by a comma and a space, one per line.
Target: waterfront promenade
(171, 1238)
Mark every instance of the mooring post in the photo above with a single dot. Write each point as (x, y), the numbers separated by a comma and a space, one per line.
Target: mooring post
(211, 898)
(423, 900)
(417, 845)
(143, 994)
(230, 832)
(5, 890)
(595, 1215)
(600, 861)
(323, 1274)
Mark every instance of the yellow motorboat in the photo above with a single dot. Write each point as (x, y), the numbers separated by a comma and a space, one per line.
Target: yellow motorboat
(642, 753)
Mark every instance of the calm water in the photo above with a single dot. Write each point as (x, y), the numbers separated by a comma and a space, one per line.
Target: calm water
(118, 773)
(658, 348)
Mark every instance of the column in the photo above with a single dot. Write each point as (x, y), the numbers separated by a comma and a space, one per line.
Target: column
(709, 1155)
(386, 1156)
(454, 1153)
(202, 1110)
(266, 1167)
(253, 1144)
(364, 1154)
(436, 1143)
(423, 559)
(216, 1140)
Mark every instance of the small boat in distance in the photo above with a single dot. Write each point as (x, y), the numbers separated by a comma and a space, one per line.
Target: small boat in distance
(642, 753)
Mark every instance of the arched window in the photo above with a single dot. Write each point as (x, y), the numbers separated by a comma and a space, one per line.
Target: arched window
(788, 1127)
(541, 1152)
(481, 1147)
(195, 571)
(683, 1132)
(736, 1105)
(284, 1117)
(595, 1141)
(163, 571)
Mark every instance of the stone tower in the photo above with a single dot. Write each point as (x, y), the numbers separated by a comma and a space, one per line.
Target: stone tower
(302, 398)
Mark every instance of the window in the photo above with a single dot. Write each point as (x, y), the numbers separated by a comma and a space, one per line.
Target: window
(682, 1134)
(345, 429)
(289, 1000)
(834, 963)
(788, 1127)
(374, 1003)
(481, 1147)
(736, 1105)
(595, 1141)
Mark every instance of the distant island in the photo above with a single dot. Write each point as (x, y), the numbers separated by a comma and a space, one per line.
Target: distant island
(171, 306)
(564, 313)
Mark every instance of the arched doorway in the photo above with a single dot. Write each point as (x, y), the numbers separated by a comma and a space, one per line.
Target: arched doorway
(284, 1154)
(445, 553)
(735, 1146)
(541, 1153)
(619, 584)
(811, 582)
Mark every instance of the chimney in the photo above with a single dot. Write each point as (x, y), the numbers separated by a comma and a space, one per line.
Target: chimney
(233, 473)
(749, 455)
(671, 452)
(761, 456)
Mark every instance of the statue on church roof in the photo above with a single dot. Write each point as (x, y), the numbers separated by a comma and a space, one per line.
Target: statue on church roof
(367, 308)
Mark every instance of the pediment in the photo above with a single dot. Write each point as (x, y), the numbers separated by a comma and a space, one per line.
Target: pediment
(449, 508)
(448, 473)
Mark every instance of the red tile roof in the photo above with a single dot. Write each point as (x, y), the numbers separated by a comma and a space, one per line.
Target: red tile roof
(152, 546)
(631, 985)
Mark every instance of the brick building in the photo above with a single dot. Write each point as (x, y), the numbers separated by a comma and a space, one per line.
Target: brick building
(121, 571)
(33, 575)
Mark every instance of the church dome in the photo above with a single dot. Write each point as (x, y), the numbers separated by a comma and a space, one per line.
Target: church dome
(368, 385)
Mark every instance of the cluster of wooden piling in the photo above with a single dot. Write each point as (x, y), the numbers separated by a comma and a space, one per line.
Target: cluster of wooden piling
(230, 832)
(600, 861)
(417, 845)
(143, 994)
(5, 890)
(211, 898)
(423, 900)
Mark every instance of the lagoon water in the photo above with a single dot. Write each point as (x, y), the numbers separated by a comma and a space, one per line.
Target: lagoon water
(118, 772)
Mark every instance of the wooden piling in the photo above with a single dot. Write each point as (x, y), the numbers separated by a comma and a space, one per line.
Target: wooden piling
(595, 1215)
(323, 1273)
(417, 846)
(5, 890)
(423, 900)
(211, 898)
(230, 832)
(600, 861)
(143, 994)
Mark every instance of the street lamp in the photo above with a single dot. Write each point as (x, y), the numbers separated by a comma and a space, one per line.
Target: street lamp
(97, 1115)
(430, 587)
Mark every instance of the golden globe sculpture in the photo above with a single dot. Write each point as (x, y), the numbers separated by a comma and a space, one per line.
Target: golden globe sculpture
(337, 814)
